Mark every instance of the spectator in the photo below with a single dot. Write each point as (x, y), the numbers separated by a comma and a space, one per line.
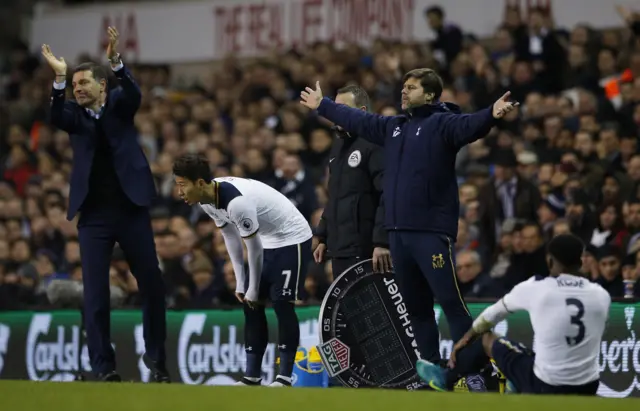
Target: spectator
(449, 38)
(472, 281)
(292, 180)
(609, 268)
(507, 196)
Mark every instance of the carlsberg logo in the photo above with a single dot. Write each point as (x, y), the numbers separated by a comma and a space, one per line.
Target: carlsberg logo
(619, 361)
(49, 355)
(217, 357)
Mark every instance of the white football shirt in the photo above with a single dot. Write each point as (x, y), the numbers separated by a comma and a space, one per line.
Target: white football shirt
(258, 208)
(568, 315)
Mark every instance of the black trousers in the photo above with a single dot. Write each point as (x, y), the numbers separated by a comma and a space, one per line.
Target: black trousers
(424, 264)
(99, 228)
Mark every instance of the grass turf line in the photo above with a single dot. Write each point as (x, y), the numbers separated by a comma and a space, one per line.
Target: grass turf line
(85, 396)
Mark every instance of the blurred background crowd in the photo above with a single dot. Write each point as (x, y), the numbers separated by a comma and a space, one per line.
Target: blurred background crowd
(568, 160)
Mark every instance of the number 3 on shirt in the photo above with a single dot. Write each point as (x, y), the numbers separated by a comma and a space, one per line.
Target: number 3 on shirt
(576, 320)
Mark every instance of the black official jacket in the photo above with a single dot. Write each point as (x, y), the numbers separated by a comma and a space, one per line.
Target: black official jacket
(352, 222)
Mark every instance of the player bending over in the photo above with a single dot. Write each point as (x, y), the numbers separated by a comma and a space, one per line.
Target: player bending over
(568, 315)
(278, 240)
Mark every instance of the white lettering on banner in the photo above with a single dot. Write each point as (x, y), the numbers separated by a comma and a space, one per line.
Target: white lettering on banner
(190, 31)
(360, 21)
(198, 360)
(621, 357)
(5, 333)
(217, 357)
(57, 359)
(251, 29)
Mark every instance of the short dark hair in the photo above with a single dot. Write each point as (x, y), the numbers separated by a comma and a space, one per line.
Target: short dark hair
(360, 96)
(192, 167)
(97, 71)
(430, 81)
(567, 249)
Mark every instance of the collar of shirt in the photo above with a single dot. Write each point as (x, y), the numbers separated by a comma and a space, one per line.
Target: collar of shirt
(299, 177)
(93, 114)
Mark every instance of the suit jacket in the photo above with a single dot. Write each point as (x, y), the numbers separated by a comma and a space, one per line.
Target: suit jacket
(129, 161)
(526, 203)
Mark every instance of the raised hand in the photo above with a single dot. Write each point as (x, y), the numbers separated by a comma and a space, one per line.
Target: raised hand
(311, 98)
(58, 65)
(113, 42)
(504, 106)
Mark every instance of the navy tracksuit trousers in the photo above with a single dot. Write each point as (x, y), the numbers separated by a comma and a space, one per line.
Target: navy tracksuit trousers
(424, 263)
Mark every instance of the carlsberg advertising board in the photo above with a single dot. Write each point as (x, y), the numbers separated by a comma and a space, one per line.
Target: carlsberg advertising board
(206, 347)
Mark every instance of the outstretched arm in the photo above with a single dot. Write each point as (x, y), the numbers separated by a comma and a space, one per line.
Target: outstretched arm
(463, 129)
(371, 127)
(516, 300)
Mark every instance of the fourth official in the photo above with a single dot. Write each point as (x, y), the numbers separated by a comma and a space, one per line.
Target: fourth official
(351, 228)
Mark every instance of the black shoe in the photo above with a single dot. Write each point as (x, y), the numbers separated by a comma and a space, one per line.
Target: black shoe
(110, 377)
(159, 372)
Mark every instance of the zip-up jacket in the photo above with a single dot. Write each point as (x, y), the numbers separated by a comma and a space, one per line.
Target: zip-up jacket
(419, 186)
(352, 223)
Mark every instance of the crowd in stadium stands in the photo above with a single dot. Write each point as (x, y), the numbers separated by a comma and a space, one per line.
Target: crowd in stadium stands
(568, 160)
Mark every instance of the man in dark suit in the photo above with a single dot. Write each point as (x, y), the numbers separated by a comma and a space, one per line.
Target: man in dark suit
(111, 190)
(295, 183)
(507, 195)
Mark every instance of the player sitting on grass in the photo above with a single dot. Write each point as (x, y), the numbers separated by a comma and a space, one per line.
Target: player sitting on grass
(568, 315)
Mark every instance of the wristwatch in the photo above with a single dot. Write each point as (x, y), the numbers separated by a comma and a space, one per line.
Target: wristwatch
(115, 59)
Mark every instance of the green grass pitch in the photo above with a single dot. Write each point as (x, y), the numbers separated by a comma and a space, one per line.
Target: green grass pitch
(51, 396)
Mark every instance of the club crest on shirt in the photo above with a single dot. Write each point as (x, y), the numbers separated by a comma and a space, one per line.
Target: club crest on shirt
(246, 224)
(354, 159)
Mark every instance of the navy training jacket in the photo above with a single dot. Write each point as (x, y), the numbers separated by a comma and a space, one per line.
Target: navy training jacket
(420, 188)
